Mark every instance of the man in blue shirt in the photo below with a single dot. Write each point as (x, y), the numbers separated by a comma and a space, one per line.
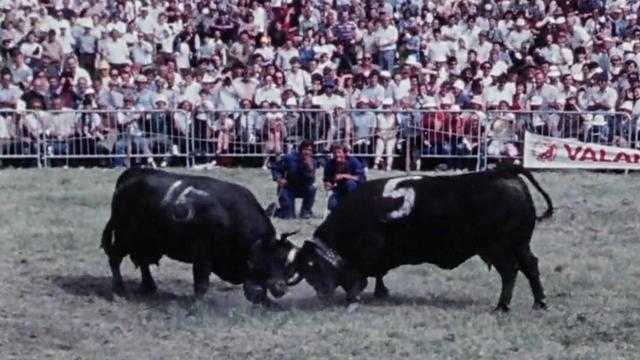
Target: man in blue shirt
(342, 174)
(295, 175)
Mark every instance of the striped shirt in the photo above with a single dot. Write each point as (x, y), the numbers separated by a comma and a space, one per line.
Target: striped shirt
(345, 31)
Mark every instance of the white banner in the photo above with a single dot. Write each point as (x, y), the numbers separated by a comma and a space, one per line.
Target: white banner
(544, 152)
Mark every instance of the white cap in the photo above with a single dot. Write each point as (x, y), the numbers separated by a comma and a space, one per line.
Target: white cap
(363, 99)
(161, 98)
(440, 58)
(430, 102)
(521, 22)
(141, 78)
(578, 77)
(446, 101)
(535, 101)
(553, 71)
(208, 79)
(387, 101)
(495, 71)
(89, 91)
(627, 105)
(291, 101)
(411, 61)
(458, 84)
(599, 120)
(477, 100)
(385, 73)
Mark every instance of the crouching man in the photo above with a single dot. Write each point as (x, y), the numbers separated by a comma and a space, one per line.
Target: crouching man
(295, 175)
(342, 174)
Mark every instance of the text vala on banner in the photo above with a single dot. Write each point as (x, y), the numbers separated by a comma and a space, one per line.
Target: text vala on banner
(544, 152)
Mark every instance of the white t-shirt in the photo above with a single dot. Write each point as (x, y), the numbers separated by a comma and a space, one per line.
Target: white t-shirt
(387, 36)
(116, 52)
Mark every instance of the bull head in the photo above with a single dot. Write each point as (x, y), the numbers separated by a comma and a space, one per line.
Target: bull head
(291, 257)
(320, 265)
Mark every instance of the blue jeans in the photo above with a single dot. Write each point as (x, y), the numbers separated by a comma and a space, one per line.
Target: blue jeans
(387, 59)
(442, 150)
(60, 147)
(339, 192)
(287, 200)
(139, 145)
(481, 148)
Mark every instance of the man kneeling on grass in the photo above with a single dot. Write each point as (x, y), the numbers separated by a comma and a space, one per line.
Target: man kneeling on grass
(295, 174)
(342, 174)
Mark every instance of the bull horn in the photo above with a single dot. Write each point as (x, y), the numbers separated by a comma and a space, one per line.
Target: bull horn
(295, 279)
(284, 236)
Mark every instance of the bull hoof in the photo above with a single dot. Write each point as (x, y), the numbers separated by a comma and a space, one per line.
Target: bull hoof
(148, 290)
(272, 305)
(352, 307)
(381, 293)
(502, 308)
(539, 305)
(120, 291)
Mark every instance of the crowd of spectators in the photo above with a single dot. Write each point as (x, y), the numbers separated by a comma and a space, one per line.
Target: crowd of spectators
(204, 57)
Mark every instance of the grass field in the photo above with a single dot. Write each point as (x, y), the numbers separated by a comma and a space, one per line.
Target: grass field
(55, 298)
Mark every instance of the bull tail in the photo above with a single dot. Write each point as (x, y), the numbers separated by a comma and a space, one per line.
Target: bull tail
(519, 170)
(107, 237)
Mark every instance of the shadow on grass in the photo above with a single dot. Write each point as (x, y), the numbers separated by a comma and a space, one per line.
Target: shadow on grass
(312, 303)
(436, 301)
(100, 286)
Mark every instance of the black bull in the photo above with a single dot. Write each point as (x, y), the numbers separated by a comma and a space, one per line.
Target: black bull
(217, 226)
(440, 220)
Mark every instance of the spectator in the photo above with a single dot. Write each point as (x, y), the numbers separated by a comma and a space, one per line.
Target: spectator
(9, 93)
(295, 175)
(386, 132)
(291, 50)
(342, 175)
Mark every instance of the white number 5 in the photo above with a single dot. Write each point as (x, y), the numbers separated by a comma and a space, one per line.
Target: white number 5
(408, 195)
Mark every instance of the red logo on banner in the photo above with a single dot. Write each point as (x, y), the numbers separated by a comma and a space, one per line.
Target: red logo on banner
(544, 150)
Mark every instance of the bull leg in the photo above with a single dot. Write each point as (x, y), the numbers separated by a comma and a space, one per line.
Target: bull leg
(148, 285)
(508, 270)
(201, 272)
(353, 293)
(381, 290)
(117, 285)
(529, 266)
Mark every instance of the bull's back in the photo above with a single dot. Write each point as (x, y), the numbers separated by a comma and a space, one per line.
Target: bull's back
(166, 213)
(452, 219)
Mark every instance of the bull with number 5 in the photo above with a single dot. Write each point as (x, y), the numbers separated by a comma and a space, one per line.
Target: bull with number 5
(441, 220)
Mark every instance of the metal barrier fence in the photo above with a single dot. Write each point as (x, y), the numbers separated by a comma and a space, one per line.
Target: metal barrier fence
(20, 137)
(381, 138)
(505, 132)
(378, 137)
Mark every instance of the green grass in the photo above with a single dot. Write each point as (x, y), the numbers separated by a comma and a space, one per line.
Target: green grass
(55, 287)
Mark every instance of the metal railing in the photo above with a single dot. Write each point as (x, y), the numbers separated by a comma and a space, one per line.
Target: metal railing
(380, 138)
(505, 135)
